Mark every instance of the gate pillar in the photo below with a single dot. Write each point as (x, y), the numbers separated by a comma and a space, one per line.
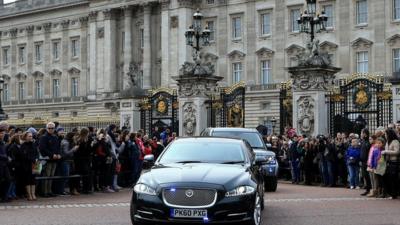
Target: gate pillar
(312, 79)
(196, 84)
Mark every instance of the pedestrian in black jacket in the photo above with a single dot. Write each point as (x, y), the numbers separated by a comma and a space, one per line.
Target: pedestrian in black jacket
(83, 160)
(4, 171)
(365, 148)
(49, 146)
(29, 156)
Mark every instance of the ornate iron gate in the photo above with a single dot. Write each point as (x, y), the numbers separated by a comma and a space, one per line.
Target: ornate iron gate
(159, 109)
(360, 101)
(286, 106)
(228, 109)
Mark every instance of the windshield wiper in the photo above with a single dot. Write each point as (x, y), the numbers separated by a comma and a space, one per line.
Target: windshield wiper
(233, 162)
(189, 161)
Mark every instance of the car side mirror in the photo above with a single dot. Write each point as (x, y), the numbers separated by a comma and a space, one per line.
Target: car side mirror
(260, 160)
(148, 161)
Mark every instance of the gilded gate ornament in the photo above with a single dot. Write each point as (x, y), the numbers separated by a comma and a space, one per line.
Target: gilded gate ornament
(362, 97)
(235, 116)
(162, 105)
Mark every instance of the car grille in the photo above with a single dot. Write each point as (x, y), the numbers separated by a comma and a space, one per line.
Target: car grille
(189, 198)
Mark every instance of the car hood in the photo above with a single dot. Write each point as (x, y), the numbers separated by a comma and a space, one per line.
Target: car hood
(263, 152)
(217, 174)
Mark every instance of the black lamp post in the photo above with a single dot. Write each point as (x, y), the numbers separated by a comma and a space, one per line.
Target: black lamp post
(3, 115)
(273, 123)
(194, 35)
(311, 21)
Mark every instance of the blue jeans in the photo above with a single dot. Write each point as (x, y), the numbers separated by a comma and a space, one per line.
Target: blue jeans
(353, 174)
(11, 190)
(296, 170)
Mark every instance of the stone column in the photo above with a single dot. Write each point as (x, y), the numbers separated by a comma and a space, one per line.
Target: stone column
(13, 62)
(184, 21)
(146, 47)
(84, 56)
(311, 83)
(65, 58)
(46, 60)
(196, 83)
(165, 30)
(128, 45)
(92, 56)
(110, 76)
(30, 50)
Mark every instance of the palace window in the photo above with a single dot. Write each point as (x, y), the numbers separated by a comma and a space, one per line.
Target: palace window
(362, 62)
(39, 89)
(21, 54)
(56, 88)
(74, 87)
(328, 9)
(294, 15)
(56, 50)
(211, 27)
(265, 71)
(265, 24)
(75, 48)
(236, 72)
(236, 28)
(362, 11)
(6, 93)
(38, 52)
(210, 2)
(396, 9)
(21, 90)
(6, 56)
(396, 60)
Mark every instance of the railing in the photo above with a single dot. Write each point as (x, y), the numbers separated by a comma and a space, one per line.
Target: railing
(29, 5)
(45, 101)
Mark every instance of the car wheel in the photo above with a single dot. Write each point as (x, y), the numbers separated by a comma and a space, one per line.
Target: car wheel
(133, 212)
(271, 184)
(257, 217)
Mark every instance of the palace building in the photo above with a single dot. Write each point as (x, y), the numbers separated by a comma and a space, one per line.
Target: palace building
(79, 59)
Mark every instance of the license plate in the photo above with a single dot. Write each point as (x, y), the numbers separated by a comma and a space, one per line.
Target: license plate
(189, 213)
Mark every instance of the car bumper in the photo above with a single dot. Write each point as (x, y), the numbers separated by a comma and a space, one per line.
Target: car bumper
(151, 209)
(270, 170)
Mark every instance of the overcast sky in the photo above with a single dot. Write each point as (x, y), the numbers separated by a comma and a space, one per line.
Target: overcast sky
(7, 1)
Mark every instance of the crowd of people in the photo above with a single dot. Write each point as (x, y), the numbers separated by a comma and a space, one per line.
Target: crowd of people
(49, 161)
(356, 161)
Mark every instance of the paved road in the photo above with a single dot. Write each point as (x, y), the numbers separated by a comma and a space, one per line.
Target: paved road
(292, 204)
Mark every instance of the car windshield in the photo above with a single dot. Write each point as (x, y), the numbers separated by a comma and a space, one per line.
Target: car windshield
(203, 152)
(251, 137)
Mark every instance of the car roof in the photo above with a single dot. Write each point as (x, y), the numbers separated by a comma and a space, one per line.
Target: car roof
(233, 129)
(209, 139)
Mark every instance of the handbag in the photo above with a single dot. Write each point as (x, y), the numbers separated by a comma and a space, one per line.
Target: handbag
(37, 168)
(117, 167)
(381, 167)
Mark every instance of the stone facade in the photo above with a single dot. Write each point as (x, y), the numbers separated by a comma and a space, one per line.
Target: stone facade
(110, 35)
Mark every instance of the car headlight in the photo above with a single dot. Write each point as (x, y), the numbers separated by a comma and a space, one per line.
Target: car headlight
(144, 189)
(271, 160)
(239, 191)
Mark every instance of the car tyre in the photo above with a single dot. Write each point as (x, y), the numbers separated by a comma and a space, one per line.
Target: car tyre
(133, 212)
(257, 217)
(271, 184)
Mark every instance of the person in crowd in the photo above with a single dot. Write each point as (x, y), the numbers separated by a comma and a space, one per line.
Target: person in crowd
(172, 137)
(29, 157)
(139, 163)
(283, 160)
(377, 146)
(135, 157)
(165, 135)
(325, 152)
(157, 147)
(124, 158)
(309, 156)
(392, 156)
(112, 139)
(14, 167)
(83, 159)
(156, 133)
(68, 148)
(275, 146)
(49, 147)
(341, 147)
(353, 159)
(364, 153)
(4, 171)
(295, 157)
(104, 162)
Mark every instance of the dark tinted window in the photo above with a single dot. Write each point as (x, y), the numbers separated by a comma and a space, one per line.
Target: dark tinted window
(252, 137)
(208, 152)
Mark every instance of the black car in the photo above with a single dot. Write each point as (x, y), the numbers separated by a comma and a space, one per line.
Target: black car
(201, 180)
(270, 168)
